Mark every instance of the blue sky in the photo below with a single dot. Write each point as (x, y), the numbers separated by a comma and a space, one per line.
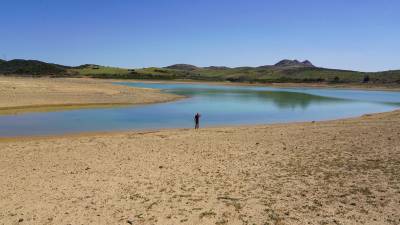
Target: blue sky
(347, 34)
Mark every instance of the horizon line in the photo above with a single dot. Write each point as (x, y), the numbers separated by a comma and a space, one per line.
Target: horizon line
(231, 67)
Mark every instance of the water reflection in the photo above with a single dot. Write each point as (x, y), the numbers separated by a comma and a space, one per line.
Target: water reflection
(292, 100)
(281, 99)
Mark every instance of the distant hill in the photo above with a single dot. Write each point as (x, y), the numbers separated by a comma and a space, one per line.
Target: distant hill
(217, 67)
(289, 64)
(30, 67)
(88, 66)
(293, 63)
(182, 67)
(285, 71)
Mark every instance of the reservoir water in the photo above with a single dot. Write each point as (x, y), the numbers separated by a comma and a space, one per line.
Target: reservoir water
(219, 105)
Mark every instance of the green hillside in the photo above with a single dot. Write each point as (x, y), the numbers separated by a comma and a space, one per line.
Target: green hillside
(97, 71)
(266, 74)
(31, 67)
(284, 71)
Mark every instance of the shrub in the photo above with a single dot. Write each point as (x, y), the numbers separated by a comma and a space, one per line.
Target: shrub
(336, 79)
(366, 79)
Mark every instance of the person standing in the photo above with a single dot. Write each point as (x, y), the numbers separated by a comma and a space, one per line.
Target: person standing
(197, 121)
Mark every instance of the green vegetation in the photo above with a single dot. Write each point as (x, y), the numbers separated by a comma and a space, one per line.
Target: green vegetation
(30, 67)
(90, 69)
(271, 75)
(285, 71)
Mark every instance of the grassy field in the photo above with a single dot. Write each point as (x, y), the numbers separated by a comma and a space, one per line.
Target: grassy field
(98, 71)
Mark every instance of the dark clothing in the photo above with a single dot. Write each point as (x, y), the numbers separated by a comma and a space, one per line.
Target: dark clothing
(197, 121)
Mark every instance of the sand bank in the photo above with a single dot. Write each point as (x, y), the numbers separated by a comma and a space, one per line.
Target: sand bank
(18, 95)
(333, 172)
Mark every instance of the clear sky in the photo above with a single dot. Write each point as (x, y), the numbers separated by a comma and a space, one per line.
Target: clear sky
(347, 34)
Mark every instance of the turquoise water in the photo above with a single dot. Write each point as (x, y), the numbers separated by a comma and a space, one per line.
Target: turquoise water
(219, 105)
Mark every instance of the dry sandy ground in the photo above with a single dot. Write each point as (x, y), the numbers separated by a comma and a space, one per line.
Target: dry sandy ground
(335, 172)
(44, 94)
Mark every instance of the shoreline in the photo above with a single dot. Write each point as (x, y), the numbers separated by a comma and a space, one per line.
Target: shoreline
(350, 86)
(25, 95)
(65, 107)
(45, 107)
(157, 130)
(62, 107)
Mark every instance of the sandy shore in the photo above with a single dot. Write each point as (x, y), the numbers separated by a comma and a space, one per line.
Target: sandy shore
(334, 172)
(46, 94)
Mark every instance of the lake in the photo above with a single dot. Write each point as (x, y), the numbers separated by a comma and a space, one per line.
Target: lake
(219, 105)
